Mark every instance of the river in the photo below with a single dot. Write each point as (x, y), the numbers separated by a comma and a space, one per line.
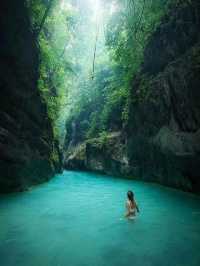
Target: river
(76, 219)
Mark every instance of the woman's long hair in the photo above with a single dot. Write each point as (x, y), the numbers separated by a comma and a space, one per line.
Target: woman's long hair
(130, 196)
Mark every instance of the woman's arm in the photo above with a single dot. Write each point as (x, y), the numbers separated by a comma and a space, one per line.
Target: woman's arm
(136, 206)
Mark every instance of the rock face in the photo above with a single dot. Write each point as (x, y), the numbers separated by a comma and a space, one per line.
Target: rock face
(105, 155)
(28, 152)
(163, 131)
(161, 141)
(164, 125)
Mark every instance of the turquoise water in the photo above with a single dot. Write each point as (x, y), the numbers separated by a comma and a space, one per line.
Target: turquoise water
(76, 220)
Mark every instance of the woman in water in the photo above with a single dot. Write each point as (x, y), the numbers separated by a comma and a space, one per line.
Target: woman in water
(131, 205)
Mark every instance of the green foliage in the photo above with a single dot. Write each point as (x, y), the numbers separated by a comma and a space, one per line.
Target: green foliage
(100, 141)
(56, 67)
(103, 137)
(112, 111)
(96, 99)
(129, 29)
(104, 101)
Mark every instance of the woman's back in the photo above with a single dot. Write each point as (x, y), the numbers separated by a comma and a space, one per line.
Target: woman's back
(131, 205)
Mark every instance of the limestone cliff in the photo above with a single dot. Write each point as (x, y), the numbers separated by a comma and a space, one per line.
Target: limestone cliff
(164, 123)
(28, 151)
(105, 154)
(161, 140)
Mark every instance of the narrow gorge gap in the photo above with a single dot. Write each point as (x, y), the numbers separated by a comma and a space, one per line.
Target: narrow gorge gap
(98, 98)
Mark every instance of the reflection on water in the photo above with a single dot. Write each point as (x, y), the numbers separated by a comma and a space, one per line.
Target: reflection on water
(76, 220)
